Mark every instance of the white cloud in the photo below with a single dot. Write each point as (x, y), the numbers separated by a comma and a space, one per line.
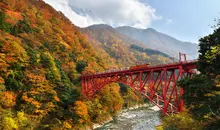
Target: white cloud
(169, 21)
(113, 12)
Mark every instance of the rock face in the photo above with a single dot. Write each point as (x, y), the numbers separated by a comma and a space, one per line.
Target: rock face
(159, 41)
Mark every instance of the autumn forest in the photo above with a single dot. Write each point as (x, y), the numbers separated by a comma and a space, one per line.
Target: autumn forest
(42, 55)
(41, 58)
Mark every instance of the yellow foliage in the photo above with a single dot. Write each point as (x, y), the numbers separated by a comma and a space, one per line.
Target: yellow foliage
(22, 120)
(206, 116)
(10, 120)
(21, 116)
(67, 125)
(9, 123)
(160, 127)
(209, 95)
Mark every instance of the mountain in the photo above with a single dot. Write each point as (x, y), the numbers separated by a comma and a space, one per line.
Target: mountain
(125, 50)
(159, 41)
(42, 55)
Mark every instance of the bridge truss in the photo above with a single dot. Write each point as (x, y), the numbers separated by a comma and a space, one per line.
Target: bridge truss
(157, 83)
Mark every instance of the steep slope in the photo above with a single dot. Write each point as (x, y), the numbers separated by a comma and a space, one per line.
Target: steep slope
(125, 50)
(41, 58)
(159, 41)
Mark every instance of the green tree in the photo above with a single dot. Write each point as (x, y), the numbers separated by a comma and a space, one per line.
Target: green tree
(80, 66)
(202, 92)
(209, 58)
(199, 95)
(48, 62)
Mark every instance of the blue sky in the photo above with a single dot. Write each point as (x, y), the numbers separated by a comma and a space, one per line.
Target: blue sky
(186, 20)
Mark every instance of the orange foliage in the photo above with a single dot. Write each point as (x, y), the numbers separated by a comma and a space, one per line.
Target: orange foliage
(26, 98)
(21, 5)
(3, 66)
(56, 99)
(81, 110)
(10, 59)
(30, 100)
(35, 79)
(7, 99)
(47, 107)
(2, 81)
(36, 104)
(14, 17)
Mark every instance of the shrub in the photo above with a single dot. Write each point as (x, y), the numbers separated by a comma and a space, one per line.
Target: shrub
(181, 121)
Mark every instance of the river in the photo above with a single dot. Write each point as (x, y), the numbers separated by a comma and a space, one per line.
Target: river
(144, 118)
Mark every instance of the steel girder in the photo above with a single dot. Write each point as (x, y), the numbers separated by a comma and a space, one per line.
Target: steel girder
(158, 84)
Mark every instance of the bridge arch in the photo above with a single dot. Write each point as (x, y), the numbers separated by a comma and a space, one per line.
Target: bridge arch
(157, 83)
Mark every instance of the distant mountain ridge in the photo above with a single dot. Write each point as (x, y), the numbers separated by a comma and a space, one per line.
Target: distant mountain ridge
(159, 41)
(104, 28)
(125, 50)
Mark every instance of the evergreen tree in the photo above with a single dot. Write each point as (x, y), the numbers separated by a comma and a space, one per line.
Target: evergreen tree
(202, 92)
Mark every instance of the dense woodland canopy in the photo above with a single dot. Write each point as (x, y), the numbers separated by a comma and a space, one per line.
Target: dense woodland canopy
(41, 58)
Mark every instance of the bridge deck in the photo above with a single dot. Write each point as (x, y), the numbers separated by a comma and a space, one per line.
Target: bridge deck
(157, 83)
(187, 65)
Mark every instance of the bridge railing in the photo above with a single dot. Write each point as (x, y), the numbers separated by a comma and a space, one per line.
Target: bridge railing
(174, 63)
(149, 66)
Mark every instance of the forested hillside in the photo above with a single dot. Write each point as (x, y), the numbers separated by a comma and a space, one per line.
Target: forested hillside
(41, 58)
(121, 47)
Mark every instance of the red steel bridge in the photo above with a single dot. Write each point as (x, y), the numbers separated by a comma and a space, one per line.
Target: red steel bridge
(157, 83)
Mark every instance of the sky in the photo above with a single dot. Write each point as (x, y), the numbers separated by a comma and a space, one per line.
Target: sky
(186, 20)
